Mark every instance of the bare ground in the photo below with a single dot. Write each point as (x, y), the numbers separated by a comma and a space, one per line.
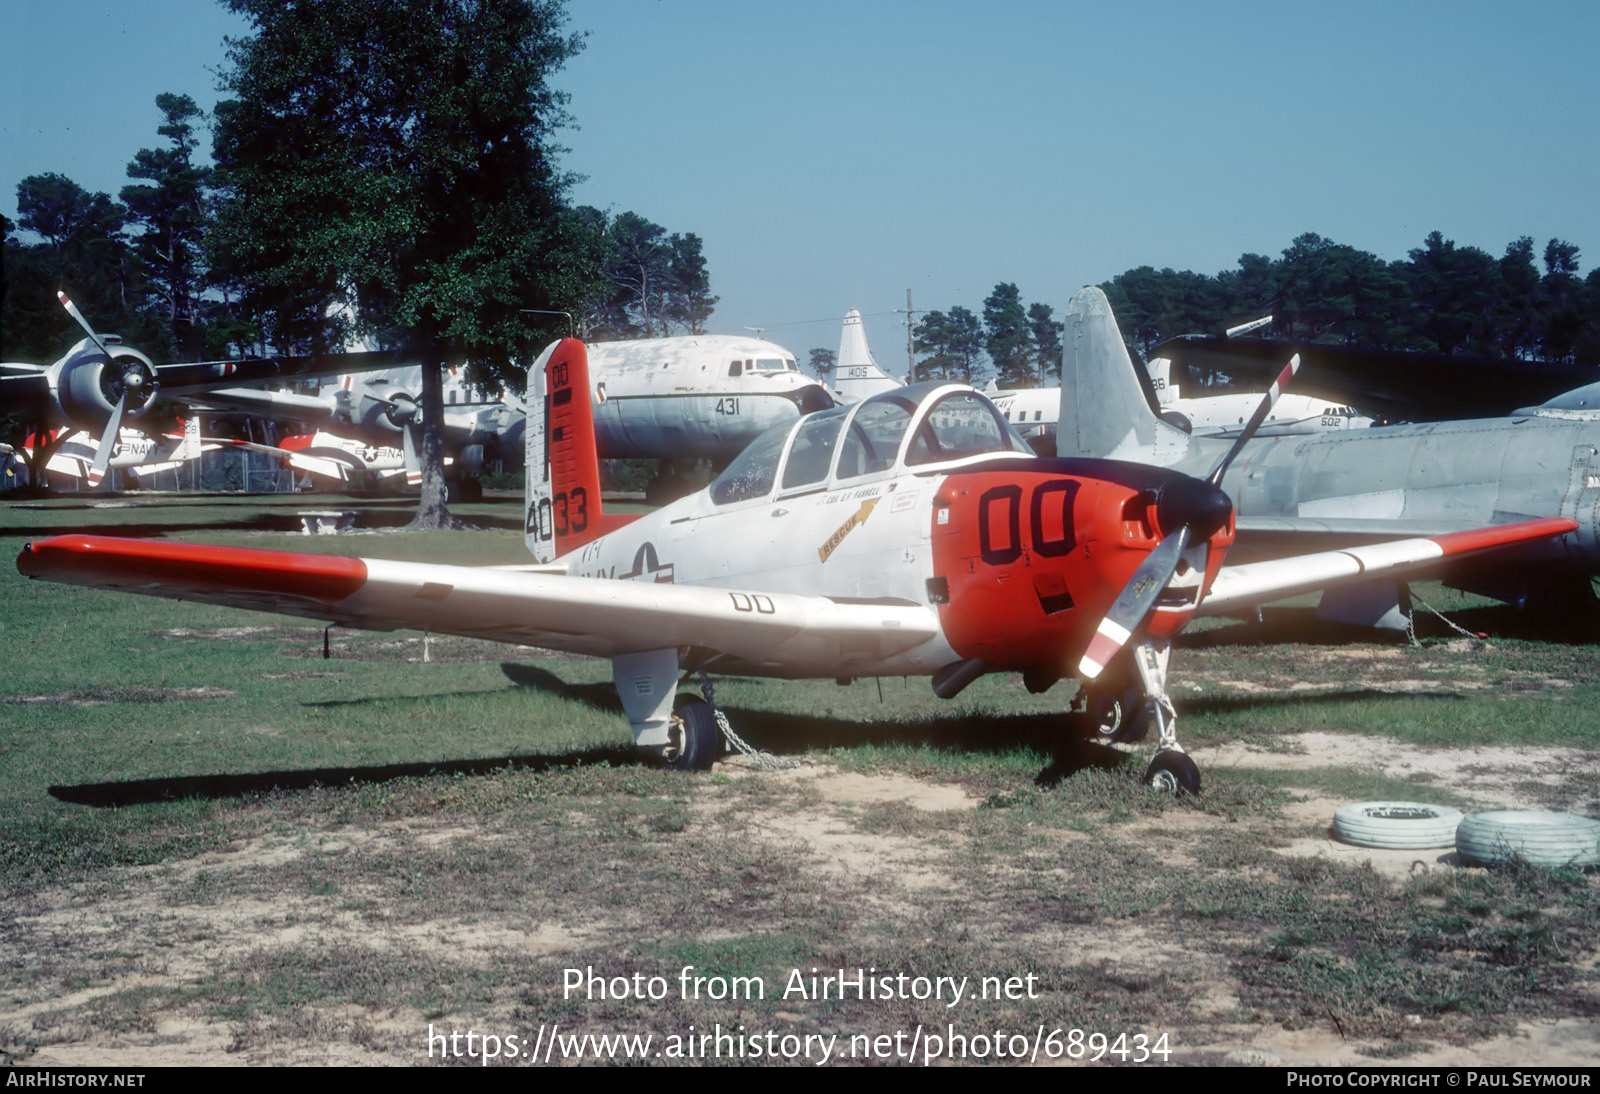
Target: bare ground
(116, 971)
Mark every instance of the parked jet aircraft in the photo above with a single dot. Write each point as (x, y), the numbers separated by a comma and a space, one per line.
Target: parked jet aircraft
(913, 533)
(1375, 483)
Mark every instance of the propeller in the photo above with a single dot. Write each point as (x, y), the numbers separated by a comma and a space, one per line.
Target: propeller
(408, 449)
(132, 381)
(404, 414)
(1187, 509)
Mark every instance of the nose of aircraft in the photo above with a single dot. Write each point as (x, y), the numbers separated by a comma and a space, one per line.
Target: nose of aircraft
(1186, 502)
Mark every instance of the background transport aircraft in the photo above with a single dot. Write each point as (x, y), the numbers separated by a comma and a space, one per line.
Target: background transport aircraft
(913, 533)
(685, 399)
(1366, 484)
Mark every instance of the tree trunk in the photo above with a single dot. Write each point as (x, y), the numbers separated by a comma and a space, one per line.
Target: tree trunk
(433, 513)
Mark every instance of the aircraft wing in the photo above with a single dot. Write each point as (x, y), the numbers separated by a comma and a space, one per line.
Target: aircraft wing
(1257, 582)
(553, 611)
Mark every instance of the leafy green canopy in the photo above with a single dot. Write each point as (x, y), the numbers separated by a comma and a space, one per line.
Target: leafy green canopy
(399, 158)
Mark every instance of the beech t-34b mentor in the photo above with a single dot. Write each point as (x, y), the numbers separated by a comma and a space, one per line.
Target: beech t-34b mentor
(913, 533)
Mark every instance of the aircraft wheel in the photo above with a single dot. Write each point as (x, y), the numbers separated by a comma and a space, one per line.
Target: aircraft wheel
(1173, 772)
(695, 737)
(1105, 715)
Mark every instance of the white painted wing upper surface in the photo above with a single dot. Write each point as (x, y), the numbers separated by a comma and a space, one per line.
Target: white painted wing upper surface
(790, 633)
(1257, 582)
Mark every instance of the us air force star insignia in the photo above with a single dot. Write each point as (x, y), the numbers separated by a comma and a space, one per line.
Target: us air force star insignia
(858, 517)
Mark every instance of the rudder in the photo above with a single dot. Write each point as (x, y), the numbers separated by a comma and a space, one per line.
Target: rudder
(562, 459)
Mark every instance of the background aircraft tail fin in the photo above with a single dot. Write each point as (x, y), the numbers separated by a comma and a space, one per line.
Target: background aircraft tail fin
(856, 375)
(563, 464)
(1105, 412)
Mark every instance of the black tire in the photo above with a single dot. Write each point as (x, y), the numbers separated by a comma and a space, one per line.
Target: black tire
(1105, 715)
(696, 738)
(1173, 772)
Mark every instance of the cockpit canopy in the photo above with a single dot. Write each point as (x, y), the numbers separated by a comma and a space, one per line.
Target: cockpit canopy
(911, 428)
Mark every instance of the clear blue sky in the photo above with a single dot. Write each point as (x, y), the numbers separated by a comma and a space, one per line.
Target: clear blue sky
(833, 155)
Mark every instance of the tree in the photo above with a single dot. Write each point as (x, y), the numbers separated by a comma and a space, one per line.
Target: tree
(83, 253)
(400, 155)
(1560, 302)
(640, 272)
(689, 299)
(171, 209)
(1006, 335)
(1455, 293)
(1519, 299)
(1046, 334)
(953, 342)
(822, 362)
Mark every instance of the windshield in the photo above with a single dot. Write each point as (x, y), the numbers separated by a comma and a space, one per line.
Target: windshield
(752, 472)
(812, 453)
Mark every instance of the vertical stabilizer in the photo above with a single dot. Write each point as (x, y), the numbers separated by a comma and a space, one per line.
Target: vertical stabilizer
(856, 374)
(562, 460)
(1161, 379)
(1104, 412)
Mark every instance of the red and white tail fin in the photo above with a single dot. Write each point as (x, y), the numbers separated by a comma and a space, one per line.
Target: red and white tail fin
(563, 465)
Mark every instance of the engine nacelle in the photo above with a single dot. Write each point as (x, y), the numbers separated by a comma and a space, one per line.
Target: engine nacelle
(388, 412)
(88, 386)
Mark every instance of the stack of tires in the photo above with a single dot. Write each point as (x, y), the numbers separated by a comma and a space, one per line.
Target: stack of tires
(1483, 839)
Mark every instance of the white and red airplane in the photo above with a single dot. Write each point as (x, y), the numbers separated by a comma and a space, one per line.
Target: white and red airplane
(913, 533)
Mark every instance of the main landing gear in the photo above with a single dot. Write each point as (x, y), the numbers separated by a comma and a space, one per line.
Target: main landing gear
(694, 739)
(1126, 711)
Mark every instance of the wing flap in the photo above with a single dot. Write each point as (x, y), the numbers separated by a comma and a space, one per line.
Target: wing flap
(1257, 582)
(554, 611)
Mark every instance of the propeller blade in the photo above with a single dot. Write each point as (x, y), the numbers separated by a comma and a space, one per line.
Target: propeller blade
(72, 310)
(1268, 401)
(1138, 596)
(408, 449)
(108, 441)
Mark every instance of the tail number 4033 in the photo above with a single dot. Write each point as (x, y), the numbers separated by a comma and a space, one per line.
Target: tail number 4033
(559, 515)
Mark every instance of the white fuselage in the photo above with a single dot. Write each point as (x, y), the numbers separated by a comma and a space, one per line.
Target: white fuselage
(699, 396)
(1035, 411)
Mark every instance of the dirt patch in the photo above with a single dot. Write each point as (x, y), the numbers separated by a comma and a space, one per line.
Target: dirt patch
(121, 967)
(1494, 777)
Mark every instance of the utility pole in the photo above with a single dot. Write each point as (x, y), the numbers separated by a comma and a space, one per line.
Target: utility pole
(911, 322)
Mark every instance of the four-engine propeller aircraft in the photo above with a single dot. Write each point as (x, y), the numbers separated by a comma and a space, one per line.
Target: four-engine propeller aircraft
(913, 533)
